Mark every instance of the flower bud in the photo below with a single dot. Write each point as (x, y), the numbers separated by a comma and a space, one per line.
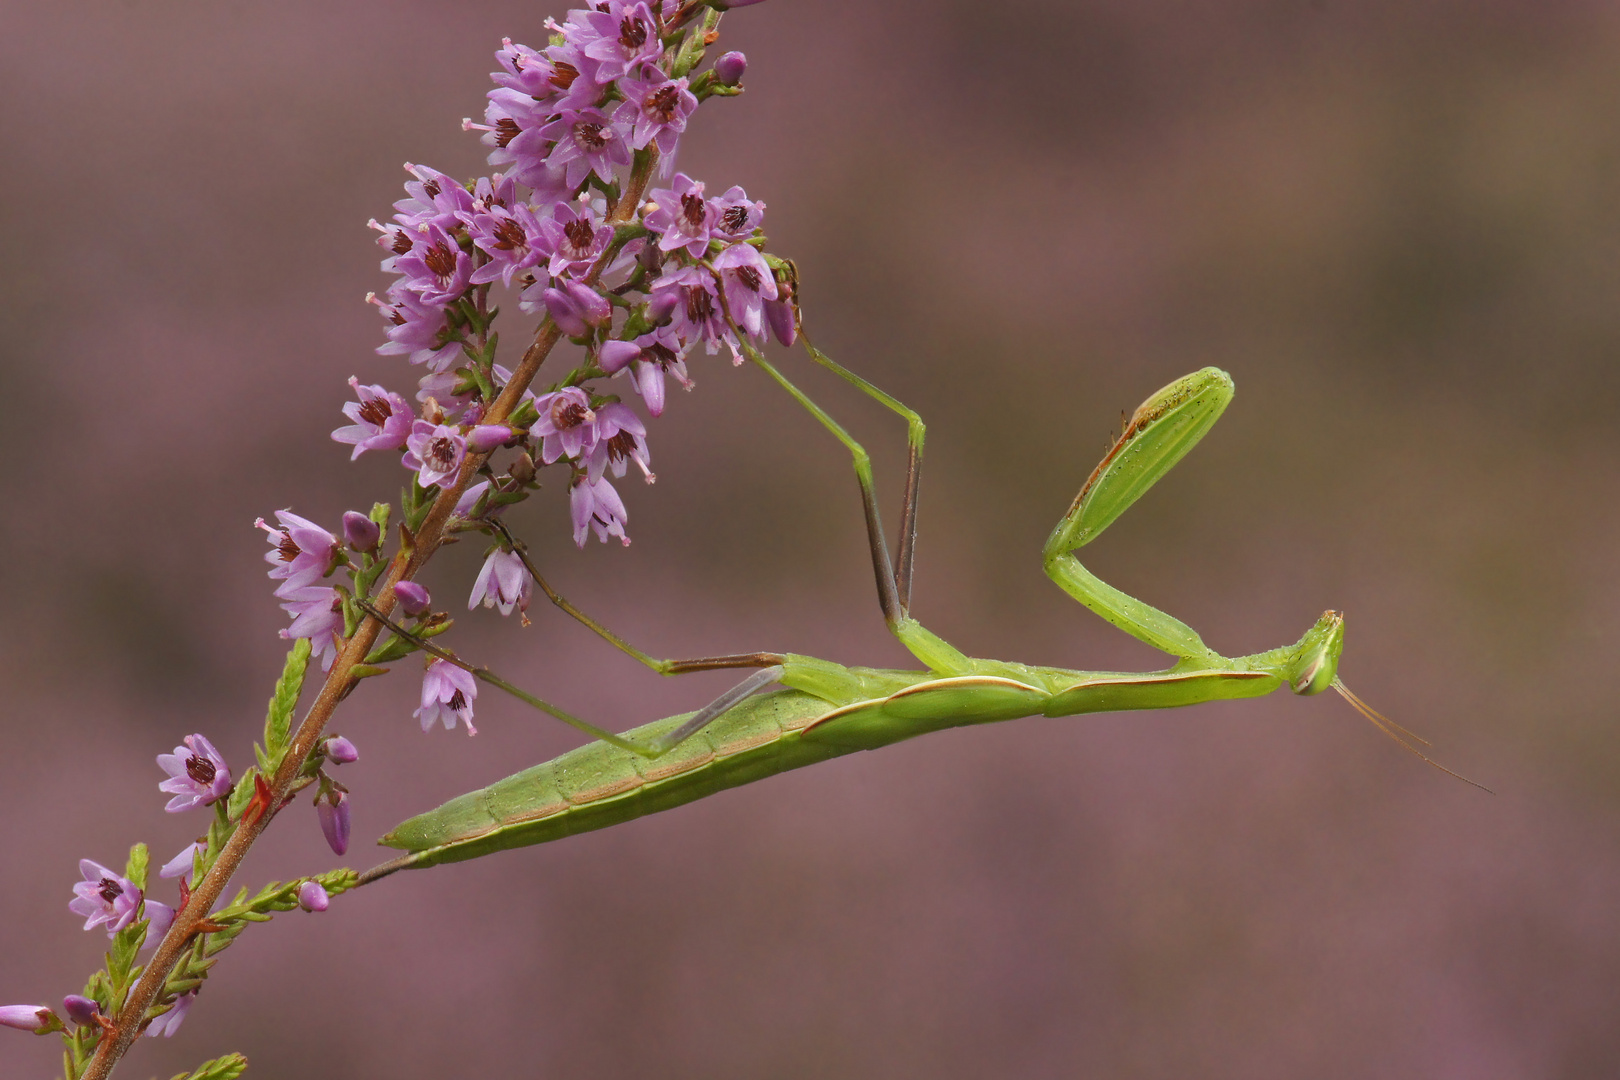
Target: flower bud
(613, 356)
(333, 810)
(593, 306)
(340, 751)
(28, 1018)
(780, 318)
(661, 308)
(412, 598)
(80, 1010)
(486, 437)
(360, 532)
(564, 311)
(729, 68)
(311, 897)
(522, 469)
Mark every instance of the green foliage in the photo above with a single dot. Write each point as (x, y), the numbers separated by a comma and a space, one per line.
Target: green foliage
(278, 718)
(135, 869)
(228, 1067)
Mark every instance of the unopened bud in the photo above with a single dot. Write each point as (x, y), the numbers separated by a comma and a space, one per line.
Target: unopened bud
(783, 326)
(333, 810)
(730, 67)
(340, 751)
(522, 469)
(593, 306)
(564, 311)
(412, 597)
(661, 308)
(312, 897)
(486, 437)
(360, 532)
(28, 1018)
(80, 1010)
(613, 356)
(159, 917)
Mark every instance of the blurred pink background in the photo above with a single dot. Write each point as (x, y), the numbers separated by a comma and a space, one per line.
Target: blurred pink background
(1394, 221)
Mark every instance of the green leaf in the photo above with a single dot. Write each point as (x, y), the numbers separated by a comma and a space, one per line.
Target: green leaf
(228, 1067)
(139, 859)
(278, 719)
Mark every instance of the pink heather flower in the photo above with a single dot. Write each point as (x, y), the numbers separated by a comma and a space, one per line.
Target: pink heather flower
(104, 897)
(595, 505)
(382, 420)
(559, 305)
(586, 142)
(332, 809)
(301, 551)
(748, 282)
(169, 1023)
(576, 236)
(551, 76)
(621, 438)
(512, 129)
(317, 613)
(728, 70)
(182, 864)
(567, 425)
(413, 598)
(514, 240)
(432, 199)
(698, 314)
(435, 452)
(312, 897)
(447, 694)
(197, 774)
(416, 328)
(648, 358)
(684, 218)
(28, 1017)
(435, 268)
(159, 917)
(503, 581)
(618, 39)
(655, 108)
(81, 1010)
(737, 216)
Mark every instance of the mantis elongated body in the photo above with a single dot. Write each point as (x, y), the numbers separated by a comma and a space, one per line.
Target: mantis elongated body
(830, 709)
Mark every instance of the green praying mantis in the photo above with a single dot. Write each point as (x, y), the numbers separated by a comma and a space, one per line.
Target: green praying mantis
(830, 709)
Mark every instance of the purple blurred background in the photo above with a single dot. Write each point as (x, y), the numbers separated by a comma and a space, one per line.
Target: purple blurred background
(1394, 221)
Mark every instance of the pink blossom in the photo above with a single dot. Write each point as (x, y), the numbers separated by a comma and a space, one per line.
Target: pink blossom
(198, 774)
(104, 897)
(567, 425)
(447, 694)
(169, 1023)
(595, 505)
(503, 581)
(435, 452)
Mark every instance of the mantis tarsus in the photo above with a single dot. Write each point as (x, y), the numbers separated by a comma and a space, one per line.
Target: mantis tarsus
(830, 709)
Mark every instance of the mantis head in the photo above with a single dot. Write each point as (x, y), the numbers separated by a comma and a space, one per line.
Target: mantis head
(1315, 664)
(1314, 667)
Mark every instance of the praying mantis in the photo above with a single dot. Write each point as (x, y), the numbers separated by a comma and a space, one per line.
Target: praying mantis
(830, 709)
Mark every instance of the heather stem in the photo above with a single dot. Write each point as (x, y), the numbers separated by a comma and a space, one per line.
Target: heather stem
(338, 683)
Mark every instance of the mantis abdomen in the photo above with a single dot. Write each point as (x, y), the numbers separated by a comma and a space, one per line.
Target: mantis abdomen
(597, 785)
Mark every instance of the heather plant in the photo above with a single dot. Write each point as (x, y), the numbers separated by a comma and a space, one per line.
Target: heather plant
(588, 230)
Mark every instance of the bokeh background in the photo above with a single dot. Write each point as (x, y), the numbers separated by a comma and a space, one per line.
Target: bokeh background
(1394, 221)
